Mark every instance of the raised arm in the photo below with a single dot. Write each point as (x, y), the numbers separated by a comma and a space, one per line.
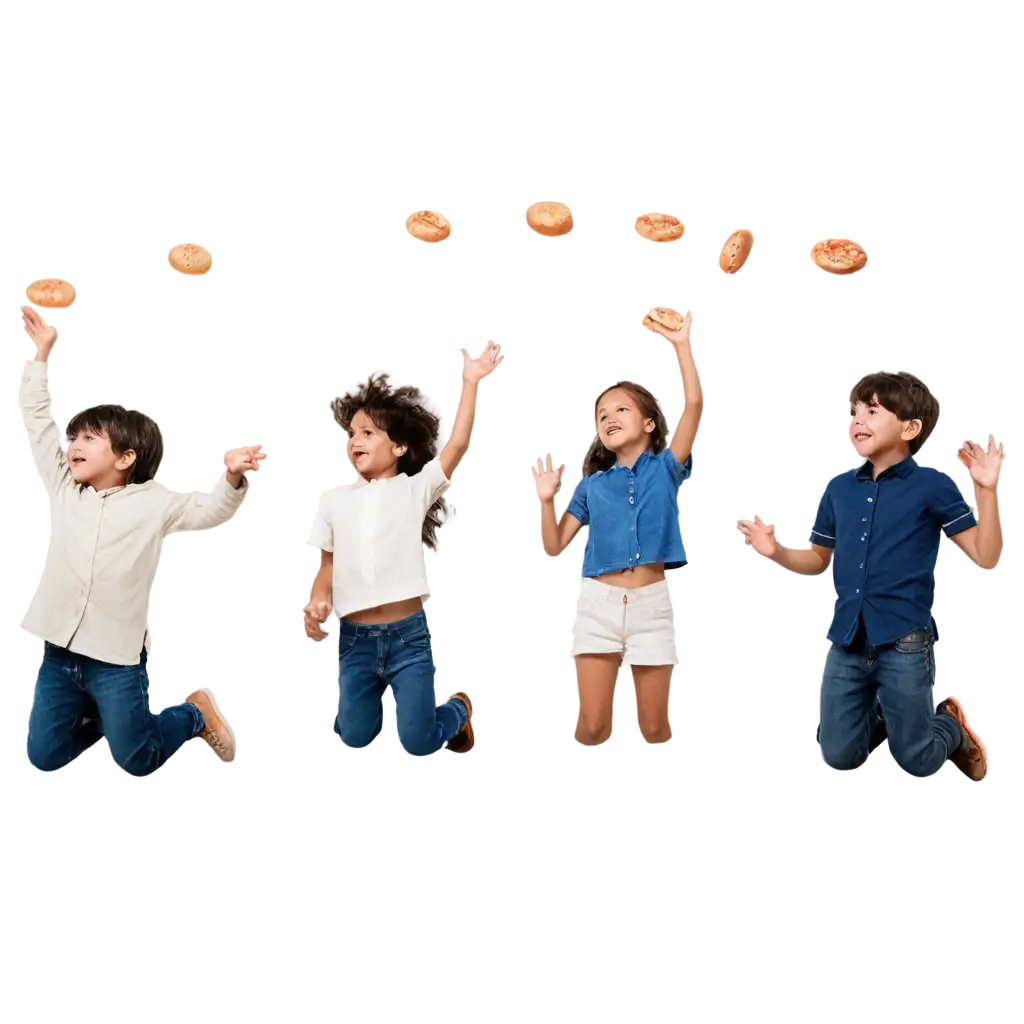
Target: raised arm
(473, 371)
(983, 544)
(761, 537)
(556, 534)
(34, 398)
(200, 510)
(686, 429)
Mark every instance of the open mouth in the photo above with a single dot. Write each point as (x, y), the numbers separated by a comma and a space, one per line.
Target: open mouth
(614, 430)
(77, 460)
(861, 436)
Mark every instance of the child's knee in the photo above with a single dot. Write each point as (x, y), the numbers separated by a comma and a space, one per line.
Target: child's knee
(593, 729)
(655, 729)
(140, 762)
(417, 739)
(357, 734)
(844, 757)
(45, 758)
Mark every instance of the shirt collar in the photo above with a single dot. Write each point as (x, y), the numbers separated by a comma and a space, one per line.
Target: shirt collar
(902, 469)
(645, 454)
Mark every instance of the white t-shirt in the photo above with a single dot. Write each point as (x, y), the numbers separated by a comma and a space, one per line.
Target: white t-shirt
(375, 530)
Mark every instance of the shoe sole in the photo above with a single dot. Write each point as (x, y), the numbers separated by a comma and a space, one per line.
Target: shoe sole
(225, 728)
(966, 726)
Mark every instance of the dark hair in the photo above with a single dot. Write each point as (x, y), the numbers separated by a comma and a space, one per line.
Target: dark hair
(127, 430)
(905, 396)
(401, 414)
(598, 457)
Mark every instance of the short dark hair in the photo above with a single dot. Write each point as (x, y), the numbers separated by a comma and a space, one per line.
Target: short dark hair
(905, 396)
(598, 457)
(127, 430)
(402, 415)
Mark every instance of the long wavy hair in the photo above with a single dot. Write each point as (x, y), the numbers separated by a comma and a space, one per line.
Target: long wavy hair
(401, 414)
(598, 457)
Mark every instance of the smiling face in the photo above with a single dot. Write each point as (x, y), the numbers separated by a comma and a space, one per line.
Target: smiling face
(879, 434)
(621, 424)
(370, 450)
(94, 463)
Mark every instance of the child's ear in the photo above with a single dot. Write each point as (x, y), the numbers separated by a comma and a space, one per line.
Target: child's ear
(401, 449)
(125, 460)
(649, 427)
(911, 428)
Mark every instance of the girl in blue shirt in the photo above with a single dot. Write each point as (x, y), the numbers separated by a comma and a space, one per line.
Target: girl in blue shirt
(628, 498)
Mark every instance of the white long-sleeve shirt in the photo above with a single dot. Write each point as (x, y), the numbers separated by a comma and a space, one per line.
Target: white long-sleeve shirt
(104, 549)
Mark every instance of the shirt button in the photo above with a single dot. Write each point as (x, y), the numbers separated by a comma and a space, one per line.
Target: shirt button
(863, 519)
(638, 554)
(858, 590)
(871, 499)
(631, 499)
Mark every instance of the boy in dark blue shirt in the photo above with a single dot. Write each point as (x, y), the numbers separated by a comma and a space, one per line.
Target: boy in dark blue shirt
(884, 521)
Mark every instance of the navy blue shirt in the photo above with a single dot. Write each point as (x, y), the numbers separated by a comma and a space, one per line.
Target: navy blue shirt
(885, 533)
(633, 514)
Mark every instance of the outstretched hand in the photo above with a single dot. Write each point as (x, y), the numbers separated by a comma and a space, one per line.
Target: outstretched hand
(241, 460)
(759, 535)
(984, 465)
(474, 370)
(548, 480)
(676, 337)
(39, 330)
(313, 614)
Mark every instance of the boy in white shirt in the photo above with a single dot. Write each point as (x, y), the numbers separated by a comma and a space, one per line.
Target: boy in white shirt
(108, 520)
(371, 536)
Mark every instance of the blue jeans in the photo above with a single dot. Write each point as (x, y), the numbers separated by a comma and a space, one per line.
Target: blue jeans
(79, 699)
(371, 658)
(899, 677)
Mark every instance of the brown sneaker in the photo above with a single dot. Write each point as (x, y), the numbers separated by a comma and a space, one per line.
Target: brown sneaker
(970, 757)
(463, 740)
(217, 731)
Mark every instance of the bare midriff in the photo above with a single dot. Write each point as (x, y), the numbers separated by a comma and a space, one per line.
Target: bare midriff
(640, 576)
(384, 614)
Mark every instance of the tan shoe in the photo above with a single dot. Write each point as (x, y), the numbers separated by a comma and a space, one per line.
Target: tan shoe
(217, 732)
(463, 740)
(970, 757)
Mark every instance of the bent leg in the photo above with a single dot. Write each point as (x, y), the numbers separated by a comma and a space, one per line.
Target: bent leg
(360, 688)
(847, 697)
(652, 684)
(64, 720)
(595, 678)
(423, 727)
(140, 742)
(919, 740)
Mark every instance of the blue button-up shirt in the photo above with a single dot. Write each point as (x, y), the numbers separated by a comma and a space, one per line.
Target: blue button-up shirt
(633, 514)
(885, 533)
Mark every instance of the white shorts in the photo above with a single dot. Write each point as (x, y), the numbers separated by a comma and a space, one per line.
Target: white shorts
(636, 624)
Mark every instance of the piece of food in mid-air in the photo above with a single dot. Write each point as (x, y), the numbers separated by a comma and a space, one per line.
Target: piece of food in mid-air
(427, 224)
(839, 256)
(654, 226)
(550, 216)
(49, 291)
(735, 250)
(189, 257)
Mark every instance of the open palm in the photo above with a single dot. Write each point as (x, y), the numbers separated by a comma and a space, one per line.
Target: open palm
(548, 480)
(984, 465)
(476, 369)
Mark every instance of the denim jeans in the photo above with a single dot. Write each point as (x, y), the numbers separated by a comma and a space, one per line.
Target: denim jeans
(78, 700)
(898, 676)
(397, 654)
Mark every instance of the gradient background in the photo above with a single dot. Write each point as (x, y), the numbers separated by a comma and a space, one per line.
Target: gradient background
(567, 897)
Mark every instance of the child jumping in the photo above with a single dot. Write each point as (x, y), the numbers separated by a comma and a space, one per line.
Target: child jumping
(629, 498)
(108, 519)
(371, 535)
(884, 522)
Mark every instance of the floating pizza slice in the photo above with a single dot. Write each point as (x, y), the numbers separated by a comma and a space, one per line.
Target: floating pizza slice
(839, 256)
(655, 227)
(667, 317)
(427, 224)
(735, 250)
(550, 217)
(189, 257)
(49, 291)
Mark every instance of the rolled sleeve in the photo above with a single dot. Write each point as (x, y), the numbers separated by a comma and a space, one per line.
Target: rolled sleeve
(824, 532)
(948, 507)
(43, 434)
(679, 471)
(578, 503)
(322, 534)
